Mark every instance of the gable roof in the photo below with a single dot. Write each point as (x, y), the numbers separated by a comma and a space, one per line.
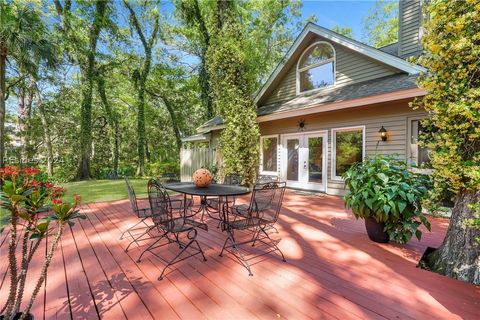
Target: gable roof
(403, 84)
(339, 39)
(391, 48)
(370, 88)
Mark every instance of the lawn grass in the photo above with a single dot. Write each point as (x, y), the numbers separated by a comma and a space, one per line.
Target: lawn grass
(104, 190)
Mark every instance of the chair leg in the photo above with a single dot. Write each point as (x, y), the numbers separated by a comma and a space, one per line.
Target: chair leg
(133, 227)
(193, 240)
(237, 254)
(178, 241)
(256, 233)
(273, 244)
(229, 237)
(151, 246)
(200, 249)
(150, 228)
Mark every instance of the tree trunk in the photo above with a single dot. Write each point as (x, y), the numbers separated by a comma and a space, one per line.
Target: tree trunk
(25, 98)
(459, 255)
(203, 74)
(141, 129)
(112, 122)
(173, 118)
(83, 171)
(47, 138)
(3, 94)
(193, 18)
(144, 72)
(205, 94)
(88, 74)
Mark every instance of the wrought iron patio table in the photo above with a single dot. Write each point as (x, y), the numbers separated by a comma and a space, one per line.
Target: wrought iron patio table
(222, 191)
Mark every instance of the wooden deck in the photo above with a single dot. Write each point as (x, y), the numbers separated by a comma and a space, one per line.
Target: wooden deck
(332, 272)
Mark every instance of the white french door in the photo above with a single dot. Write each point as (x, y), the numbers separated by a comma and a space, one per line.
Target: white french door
(304, 160)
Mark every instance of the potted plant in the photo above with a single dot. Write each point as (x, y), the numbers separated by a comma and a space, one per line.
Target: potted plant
(384, 192)
(31, 210)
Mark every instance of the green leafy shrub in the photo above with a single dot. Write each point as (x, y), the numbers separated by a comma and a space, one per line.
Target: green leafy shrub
(384, 188)
(126, 170)
(156, 169)
(63, 174)
(213, 168)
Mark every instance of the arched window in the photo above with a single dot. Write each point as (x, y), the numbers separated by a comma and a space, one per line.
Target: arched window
(316, 67)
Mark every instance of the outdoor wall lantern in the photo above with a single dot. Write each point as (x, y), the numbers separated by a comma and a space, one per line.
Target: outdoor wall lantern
(383, 133)
(301, 125)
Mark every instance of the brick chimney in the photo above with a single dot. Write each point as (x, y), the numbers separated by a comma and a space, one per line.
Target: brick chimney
(410, 28)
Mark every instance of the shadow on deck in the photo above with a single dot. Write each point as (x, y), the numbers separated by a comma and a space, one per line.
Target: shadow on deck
(332, 271)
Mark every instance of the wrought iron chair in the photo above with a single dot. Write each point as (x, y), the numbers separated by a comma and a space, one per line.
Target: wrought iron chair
(170, 222)
(262, 213)
(263, 178)
(231, 179)
(242, 209)
(142, 213)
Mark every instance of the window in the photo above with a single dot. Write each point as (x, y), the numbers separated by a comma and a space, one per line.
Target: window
(316, 67)
(418, 155)
(348, 148)
(268, 145)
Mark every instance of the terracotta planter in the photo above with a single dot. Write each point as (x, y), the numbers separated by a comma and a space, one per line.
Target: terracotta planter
(375, 230)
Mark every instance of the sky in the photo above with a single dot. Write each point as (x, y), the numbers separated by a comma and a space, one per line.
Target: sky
(342, 13)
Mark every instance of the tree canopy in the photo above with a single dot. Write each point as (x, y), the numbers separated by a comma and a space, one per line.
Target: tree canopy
(381, 24)
(97, 89)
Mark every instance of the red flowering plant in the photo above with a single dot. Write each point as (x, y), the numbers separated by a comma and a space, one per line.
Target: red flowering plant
(31, 210)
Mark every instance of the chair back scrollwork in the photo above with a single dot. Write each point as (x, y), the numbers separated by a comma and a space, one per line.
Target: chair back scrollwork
(131, 196)
(160, 205)
(266, 200)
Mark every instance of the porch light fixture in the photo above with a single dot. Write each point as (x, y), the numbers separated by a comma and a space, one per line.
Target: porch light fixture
(301, 124)
(383, 133)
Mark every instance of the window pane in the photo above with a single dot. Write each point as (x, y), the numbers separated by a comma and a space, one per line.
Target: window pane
(315, 159)
(269, 151)
(348, 149)
(419, 154)
(317, 77)
(292, 161)
(316, 54)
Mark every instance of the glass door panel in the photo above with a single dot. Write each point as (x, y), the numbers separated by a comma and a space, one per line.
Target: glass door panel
(315, 159)
(293, 146)
(303, 163)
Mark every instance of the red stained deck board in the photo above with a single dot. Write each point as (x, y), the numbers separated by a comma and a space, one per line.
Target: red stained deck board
(180, 303)
(56, 288)
(182, 263)
(141, 286)
(278, 282)
(81, 299)
(117, 279)
(105, 296)
(239, 269)
(332, 271)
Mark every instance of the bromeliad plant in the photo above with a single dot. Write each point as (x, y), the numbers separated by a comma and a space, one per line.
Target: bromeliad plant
(31, 211)
(384, 188)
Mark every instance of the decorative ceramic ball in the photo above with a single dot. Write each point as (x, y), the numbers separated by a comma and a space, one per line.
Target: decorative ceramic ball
(202, 178)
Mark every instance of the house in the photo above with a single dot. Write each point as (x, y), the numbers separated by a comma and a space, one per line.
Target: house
(323, 106)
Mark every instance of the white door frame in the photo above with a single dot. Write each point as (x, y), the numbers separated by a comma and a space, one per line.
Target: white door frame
(302, 182)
